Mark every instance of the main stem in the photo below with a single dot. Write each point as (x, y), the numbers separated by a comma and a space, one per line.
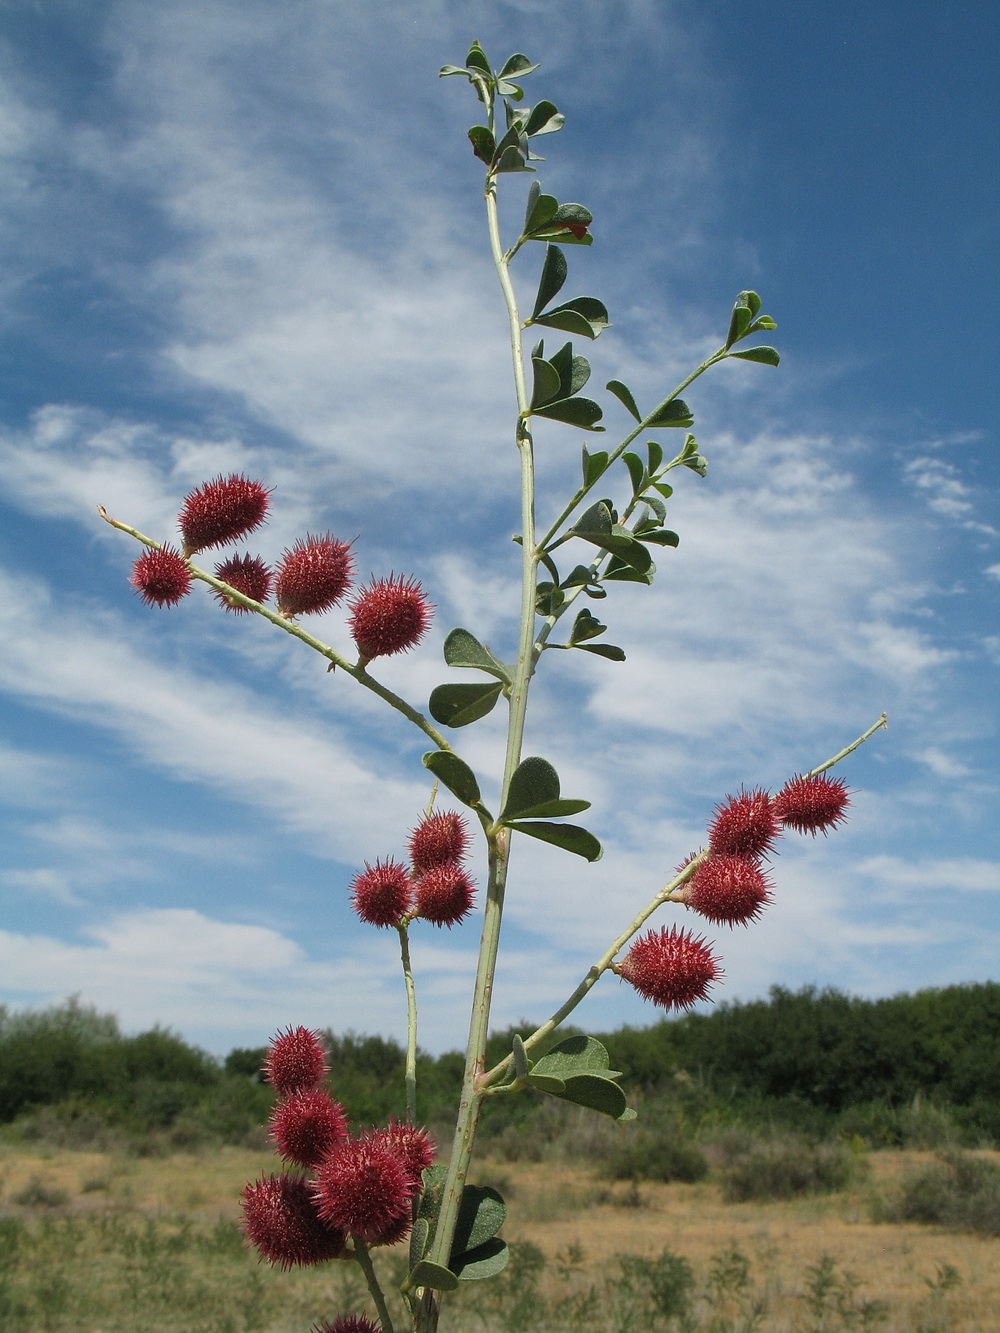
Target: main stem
(499, 840)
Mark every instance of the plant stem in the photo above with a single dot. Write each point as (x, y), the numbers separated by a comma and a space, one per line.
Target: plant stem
(411, 1024)
(365, 1260)
(499, 840)
(883, 722)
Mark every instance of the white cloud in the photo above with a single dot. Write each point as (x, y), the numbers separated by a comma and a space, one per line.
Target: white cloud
(963, 874)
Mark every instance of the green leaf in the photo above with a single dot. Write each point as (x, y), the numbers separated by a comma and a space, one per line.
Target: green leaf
(545, 382)
(540, 208)
(512, 139)
(594, 524)
(445, 70)
(458, 705)
(511, 159)
(765, 322)
(618, 571)
(519, 1057)
(574, 371)
(656, 504)
(582, 412)
(487, 1260)
(746, 307)
(533, 782)
(584, 315)
(455, 773)
(609, 650)
(483, 143)
(697, 464)
(674, 413)
(462, 649)
(481, 1214)
(654, 454)
(585, 626)
(516, 66)
(664, 489)
(568, 836)
(427, 1274)
(594, 466)
(767, 356)
(541, 118)
(507, 89)
(476, 59)
(622, 544)
(636, 471)
(624, 395)
(578, 1054)
(546, 1083)
(552, 277)
(597, 1093)
(660, 537)
(418, 1240)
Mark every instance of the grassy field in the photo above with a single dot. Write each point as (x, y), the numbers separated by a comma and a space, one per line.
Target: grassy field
(108, 1243)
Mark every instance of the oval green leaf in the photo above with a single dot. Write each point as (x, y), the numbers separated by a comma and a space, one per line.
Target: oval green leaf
(581, 412)
(462, 649)
(534, 781)
(428, 1274)
(569, 837)
(455, 773)
(458, 705)
(767, 356)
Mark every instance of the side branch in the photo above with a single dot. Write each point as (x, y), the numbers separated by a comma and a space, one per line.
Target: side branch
(353, 669)
(667, 894)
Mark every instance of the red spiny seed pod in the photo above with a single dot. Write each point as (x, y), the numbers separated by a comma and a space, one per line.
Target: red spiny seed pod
(440, 839)
(348, 1323)
(295, 1060)
(444, 895)
(363, 1188)
(383, 893)
(282, 1222)
(745, 825)
(729, 889)
(812, 804)
(221, 511)
(672, 967)
(307, 1125)
(249, 575)
(313, 575)
(412, 1145)
(389, 616)
(161, 577)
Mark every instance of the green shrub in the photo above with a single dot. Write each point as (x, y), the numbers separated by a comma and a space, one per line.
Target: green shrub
(782, 1168)
(664, 1284)
(656, 1155)
(960, 1190)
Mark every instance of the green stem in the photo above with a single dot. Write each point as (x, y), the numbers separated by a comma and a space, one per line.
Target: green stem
(411, 1024)
(365, 1260)
(353, 669)
(499, 840)
(883, 722)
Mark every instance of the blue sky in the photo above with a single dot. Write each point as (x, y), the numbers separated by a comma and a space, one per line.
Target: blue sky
(241, 236)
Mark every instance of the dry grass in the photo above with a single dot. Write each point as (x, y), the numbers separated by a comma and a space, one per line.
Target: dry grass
(558, 1208)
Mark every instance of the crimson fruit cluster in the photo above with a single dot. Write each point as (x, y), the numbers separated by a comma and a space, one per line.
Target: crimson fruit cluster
(731, 884)
(435, 886)
(343, 1188)
(387, 616)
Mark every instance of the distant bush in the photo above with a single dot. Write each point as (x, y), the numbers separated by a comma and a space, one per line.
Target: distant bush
(960, 1190)
(663, 1155)
(786, 1166)
(918, 1124)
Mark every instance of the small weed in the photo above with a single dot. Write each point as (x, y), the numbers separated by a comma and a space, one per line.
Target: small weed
(38, 1193)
